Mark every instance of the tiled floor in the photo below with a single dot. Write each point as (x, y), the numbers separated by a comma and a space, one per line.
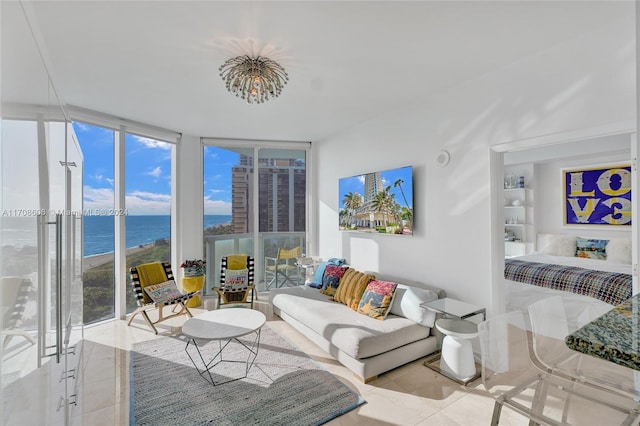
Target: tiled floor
(409, 395)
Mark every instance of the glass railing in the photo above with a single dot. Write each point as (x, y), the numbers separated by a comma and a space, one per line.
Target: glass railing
(218, 246)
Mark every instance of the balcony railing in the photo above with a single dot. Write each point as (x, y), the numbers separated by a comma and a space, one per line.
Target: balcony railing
(218, 246)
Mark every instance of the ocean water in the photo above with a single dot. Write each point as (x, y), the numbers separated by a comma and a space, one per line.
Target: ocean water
(99, 231)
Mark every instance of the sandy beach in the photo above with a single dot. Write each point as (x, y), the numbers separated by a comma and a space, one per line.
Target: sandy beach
(101, 259)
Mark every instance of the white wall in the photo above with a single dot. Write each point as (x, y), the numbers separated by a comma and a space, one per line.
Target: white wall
(584, 83)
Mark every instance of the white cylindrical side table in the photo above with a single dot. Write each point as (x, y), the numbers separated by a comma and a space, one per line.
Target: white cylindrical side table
(457, 353)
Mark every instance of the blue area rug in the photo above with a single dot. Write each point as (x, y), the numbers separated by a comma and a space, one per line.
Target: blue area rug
(284, 386)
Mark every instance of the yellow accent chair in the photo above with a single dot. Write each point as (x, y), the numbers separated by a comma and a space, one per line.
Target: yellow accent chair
(283, 267)
(236, 280)
(155, 288)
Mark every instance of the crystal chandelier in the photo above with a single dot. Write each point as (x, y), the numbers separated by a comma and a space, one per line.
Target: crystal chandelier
(255, 79)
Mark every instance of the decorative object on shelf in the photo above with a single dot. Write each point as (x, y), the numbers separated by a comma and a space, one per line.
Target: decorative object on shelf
(510, 182)
(516, 203)
(520, 181)
(598, 196)
(443, 158)
(194, 268)
(255, 80)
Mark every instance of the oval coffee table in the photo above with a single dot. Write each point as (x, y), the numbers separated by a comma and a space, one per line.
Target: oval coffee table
(225, 326)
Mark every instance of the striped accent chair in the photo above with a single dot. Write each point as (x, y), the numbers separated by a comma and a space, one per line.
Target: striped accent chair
(155, 288)
(236, 280)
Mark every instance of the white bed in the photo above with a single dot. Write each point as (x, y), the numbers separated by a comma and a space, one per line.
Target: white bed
(580, 308)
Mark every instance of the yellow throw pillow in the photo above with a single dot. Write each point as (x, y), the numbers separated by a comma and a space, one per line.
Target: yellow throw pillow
(357, 290)
(345, 281)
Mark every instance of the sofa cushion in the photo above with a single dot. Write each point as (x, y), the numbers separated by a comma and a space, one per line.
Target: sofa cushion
(357, 335)
(377, 299)
(406, 303)
(352, 285)
(331, 279)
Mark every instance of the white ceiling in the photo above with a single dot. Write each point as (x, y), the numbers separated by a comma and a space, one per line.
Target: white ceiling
(348, 62)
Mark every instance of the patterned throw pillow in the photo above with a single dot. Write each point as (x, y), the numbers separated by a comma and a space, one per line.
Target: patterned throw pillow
(331, 279)
(160, 293)
(352, 285)
(377, 299)
(591, 248)
(236, 278)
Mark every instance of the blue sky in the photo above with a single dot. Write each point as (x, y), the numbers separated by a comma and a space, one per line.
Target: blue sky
(148, 173)
(147, 170)
(356, 184)
(217, 179)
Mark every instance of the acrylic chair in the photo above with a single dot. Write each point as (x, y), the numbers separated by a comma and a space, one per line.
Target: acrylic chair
(236, 280)
(550, 326)
(282, 266)
(510, 375)
(155, 288)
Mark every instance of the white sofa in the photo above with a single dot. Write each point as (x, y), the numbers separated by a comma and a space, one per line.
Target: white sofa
(366, 346)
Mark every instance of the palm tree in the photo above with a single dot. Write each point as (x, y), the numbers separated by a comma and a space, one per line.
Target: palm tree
(383, 202)
(344, 216)
(398, 184)
(352, 201)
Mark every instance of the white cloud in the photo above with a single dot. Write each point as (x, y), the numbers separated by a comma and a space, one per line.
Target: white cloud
(137, 202)
(148, 203)
(98, 198)
(216, 206)
(155, 172)
(360, 179)
(81, 126)
(110, 181)
(150, 196)
(152, 143)
(217, 191)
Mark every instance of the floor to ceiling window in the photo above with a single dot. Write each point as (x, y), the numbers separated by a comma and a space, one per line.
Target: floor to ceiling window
(253, 213)
(148, 203)
(146, 212)
(97, 144)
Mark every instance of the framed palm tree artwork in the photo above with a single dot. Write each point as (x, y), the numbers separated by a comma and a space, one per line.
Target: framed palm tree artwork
(377, 202)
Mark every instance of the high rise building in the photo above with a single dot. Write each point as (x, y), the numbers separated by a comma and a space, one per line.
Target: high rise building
(281, 194)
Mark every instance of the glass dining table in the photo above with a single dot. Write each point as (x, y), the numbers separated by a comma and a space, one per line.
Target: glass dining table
(614, 336)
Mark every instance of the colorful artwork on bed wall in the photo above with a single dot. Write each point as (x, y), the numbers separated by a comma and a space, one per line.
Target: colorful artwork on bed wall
(598, 196)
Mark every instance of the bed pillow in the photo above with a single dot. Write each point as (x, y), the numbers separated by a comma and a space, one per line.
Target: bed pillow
(331, 279)
(377, 299)
(163, 292)
(591, 248)
(559, 245)
(619, 250)
(406, 303)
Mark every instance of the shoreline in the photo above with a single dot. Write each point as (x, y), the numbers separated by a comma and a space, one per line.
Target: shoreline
(94, 260)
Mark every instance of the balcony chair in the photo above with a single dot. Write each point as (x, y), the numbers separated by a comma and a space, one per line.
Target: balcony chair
(282, 266)
(236, 280)
(511, 376)
(155, 288)
(550, 326)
